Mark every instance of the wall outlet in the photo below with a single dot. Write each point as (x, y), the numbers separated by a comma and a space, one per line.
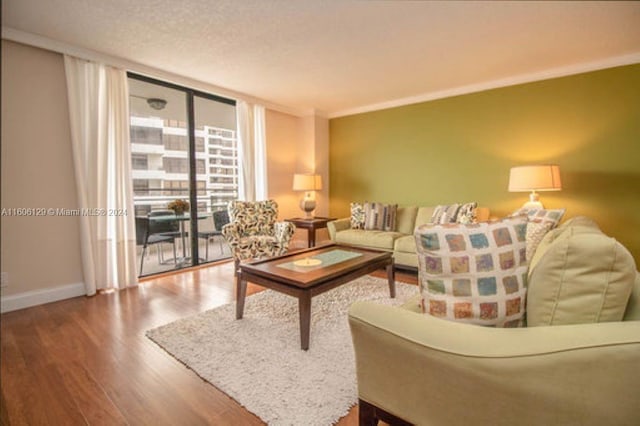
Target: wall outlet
(4, 279)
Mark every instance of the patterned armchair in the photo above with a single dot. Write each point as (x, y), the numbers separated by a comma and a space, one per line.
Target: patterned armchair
(254, 231)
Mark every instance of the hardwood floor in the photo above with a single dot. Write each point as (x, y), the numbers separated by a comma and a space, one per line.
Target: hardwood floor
(86, 360)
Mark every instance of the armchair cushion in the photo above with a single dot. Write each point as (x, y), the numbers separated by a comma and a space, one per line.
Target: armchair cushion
(583, 276)
(474, 273)
(254, 217)
(577, 224)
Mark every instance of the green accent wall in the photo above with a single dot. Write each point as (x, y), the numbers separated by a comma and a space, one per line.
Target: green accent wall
(461, 148)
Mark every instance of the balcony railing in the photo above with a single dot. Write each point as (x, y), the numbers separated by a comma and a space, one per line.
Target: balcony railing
(159, 198)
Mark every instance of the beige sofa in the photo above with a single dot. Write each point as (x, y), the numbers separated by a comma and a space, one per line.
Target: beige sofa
(429, 371)
(401, 241)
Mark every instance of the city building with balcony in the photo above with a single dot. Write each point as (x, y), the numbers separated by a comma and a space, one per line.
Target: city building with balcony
(160, 164)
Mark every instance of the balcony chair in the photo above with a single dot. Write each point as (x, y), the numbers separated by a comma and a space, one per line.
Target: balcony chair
(158, 232)
(254, 232)
(220, 219)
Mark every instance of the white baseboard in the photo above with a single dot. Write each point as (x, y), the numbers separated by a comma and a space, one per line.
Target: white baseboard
(40, 297)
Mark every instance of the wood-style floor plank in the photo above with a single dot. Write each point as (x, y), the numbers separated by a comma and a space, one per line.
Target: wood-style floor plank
(86, 360)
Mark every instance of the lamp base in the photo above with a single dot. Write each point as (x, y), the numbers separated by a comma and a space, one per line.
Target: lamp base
(534, 201)
(308, 206)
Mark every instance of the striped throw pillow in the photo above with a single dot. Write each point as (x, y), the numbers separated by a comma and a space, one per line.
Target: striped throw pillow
(380, 217)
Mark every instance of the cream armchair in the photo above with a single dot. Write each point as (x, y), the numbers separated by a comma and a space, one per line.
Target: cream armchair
(419, 369)
(429, 371)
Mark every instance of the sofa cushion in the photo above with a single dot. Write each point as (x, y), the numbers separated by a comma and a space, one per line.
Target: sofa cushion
(406, 219)
(374, 239)
(405, 259)
(380, 217)
(582, 276)
(423, 217)
(474, 273)
(405, 244)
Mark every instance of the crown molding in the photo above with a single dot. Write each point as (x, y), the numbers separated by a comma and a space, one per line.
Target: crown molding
(612, 62)
(46, 43)
(42, 42)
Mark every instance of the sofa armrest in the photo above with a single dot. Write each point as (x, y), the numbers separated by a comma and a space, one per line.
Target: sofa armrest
(430, 371)
(338, 225)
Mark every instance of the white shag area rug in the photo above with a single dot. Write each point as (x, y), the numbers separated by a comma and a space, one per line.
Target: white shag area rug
(258, 361)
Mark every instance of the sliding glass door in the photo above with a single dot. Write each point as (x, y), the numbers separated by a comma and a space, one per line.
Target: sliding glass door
(185, 169)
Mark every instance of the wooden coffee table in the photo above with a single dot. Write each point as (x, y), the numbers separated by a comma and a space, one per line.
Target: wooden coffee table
(307, 273)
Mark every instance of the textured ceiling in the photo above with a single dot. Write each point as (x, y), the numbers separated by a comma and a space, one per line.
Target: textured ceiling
(336, 56)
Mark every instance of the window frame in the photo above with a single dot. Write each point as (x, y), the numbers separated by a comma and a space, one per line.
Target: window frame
(191, 94)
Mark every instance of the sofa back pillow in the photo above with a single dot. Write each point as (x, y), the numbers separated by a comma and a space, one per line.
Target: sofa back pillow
(474, 273)
(541, 221)
(380, 217)
(467, 213)
(357, 216)
(406, 219)
(423, 217)
(583, 276)
(445, 213)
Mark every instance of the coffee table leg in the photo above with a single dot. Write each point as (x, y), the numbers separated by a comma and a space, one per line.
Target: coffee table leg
(304, 309)
(391, 276)
(241, 293)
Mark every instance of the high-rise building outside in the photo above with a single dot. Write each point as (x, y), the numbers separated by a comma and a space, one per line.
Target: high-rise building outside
(160, 163)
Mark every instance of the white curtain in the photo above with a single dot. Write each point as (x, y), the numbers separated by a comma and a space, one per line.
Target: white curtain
(99, 117)
(252, 151)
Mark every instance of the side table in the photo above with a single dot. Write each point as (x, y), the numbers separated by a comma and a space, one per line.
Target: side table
(311, 224)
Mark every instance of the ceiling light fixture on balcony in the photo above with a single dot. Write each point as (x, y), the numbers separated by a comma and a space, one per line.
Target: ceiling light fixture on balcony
(157, 103)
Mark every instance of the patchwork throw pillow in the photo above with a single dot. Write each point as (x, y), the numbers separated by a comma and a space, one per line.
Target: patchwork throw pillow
(445, 213)
(380, 217)
(474, 273)
(467, 213)
(540, 222)
(357, 216)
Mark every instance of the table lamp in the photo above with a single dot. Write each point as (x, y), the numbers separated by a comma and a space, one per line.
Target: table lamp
(545, 177)
(308, 183)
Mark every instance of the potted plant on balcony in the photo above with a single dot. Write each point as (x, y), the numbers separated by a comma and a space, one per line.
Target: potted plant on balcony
(178, 206)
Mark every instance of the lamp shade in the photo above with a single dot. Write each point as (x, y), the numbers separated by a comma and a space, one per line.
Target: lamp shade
(304, 182)
(544, 177)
